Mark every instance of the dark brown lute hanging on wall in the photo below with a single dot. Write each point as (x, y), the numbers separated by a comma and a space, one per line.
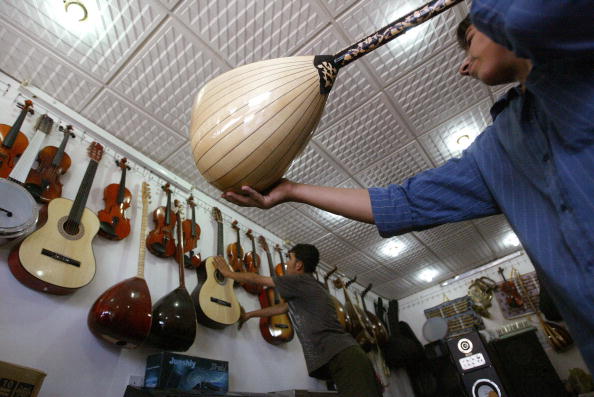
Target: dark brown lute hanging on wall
(379, 330)
(252, 264)
(174, 319)
(122, 314)
(275, 329)
(343, 317)
(359, 329)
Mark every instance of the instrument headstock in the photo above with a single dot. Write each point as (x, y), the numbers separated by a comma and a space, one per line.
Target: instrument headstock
(216, 214)
(331, 272)
(263, 243)
(235, 225)
(146, 194)
(166, 188)
(350, 282)
(122, 163)
(44, 124)
(27, 106)
(95, 151)
(278, 249)
(250, 235)
(67, 130)
(191, 202)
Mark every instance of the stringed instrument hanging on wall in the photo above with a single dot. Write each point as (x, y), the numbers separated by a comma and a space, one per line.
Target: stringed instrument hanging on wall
(122, 314)
(235, 252)
(341, 314)
(252, 263)
(160, 241)
(114, 223)
(14, 142)
(191, 235)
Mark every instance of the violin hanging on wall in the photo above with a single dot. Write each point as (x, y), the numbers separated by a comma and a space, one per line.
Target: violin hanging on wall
(122, 314)
(235, 252)
(14, 142)
(252, 264)
(114, 224)
(160, 240)
(44, 181)
(58, 258)
(191, 235)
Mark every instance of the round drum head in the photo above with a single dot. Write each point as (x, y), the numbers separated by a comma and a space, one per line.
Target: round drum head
(18, 209)
(435, 328)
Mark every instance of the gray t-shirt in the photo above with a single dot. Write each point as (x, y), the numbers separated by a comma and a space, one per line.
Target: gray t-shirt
(314, 318)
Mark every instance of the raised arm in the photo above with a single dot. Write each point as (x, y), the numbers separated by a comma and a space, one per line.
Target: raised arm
(242, 277)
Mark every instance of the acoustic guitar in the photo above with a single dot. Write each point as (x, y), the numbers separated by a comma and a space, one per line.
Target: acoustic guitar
(114, 223)
(275, 329)
(214, 298)
(58, 258)
(19, 212)
(174, 320)
(122, 314)
(14, 142)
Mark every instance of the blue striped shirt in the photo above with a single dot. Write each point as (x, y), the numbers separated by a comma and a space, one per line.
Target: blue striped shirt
(535, 163)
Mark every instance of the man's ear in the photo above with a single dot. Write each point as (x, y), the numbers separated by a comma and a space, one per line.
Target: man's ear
(299, 266)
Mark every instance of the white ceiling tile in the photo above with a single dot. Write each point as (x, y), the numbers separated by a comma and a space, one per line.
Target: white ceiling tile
(263, 217)
(253, 30)
(395, 168)
(410, 263)
(434, 91)
(336, 7)
(332, 248)
(441, 232)
(395, 289)
(376, 276)
(440, 142)
(495, 229)
(30, 62)
(306, 169)
(169, 3)
(326, 219)
(364, 137)
(114, 29)
(295, 227)
(166, 74)
(135, 128)
(355, 263)
(359, 234)
(404, 53)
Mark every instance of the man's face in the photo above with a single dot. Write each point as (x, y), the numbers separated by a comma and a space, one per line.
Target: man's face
(291, 264)
(488, 61)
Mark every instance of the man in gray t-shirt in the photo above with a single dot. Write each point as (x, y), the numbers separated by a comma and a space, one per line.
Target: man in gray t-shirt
(330, 352)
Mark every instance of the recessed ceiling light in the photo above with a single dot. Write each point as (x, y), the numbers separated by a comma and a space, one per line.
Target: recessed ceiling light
(76, 11)
(511, 240)
(461, 139)
(427, 275)
(393, 248)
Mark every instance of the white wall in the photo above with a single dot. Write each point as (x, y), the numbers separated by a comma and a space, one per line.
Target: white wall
(412, 311)
(50, 333)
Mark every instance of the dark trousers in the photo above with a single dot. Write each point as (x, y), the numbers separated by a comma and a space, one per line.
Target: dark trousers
(353, 374)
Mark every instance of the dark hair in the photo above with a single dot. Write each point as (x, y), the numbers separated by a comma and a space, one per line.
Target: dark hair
(308, 254)
(461, 32)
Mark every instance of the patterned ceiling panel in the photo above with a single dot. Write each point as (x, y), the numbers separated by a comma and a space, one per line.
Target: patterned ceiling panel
(408, 161)
(306, 169)
(388, 250)
(434, 91)
(443, 142)
(99, 47)
(165, 76)
(132, 126)
(30, 62)
(295, 227)
(248, 31)
(353, 87)
(136, 66)
(404, 53)
(376, 133)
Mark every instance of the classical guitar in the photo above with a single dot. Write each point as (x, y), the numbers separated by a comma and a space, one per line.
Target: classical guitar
(191, 234)
(18, 209)
(58, 258)
(44, 181)
(174, 319)
(14, 142)
(252, 264)
(235, 252)
(160, 241)
(275, 329)
(214, 298)
(114, 223)
(122, 314)
(343, 317)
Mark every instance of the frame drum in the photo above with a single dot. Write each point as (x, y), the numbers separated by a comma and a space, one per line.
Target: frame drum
(18, 211)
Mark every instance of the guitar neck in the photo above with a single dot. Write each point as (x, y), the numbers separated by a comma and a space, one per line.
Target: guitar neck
(142, 248)
(83, 192)
(23, 166)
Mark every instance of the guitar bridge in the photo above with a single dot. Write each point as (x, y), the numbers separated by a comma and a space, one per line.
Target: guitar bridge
(60, 257)
(220, 302)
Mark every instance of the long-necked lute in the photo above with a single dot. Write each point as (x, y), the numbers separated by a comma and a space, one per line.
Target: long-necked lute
(58, 258)
(248, 124)
(122, 314)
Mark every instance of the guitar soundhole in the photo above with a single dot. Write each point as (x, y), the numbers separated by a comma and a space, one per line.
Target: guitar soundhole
(219, 277)
(70, 230)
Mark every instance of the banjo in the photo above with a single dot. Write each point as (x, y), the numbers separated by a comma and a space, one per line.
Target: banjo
(18, 210)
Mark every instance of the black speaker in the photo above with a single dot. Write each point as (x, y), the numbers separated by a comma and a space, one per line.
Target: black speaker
(472, 361)
(524, 366)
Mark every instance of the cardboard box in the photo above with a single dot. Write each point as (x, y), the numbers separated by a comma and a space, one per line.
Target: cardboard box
(19, 381)
(178, 371)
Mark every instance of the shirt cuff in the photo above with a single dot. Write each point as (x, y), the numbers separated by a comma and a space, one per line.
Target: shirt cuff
(391, 210)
